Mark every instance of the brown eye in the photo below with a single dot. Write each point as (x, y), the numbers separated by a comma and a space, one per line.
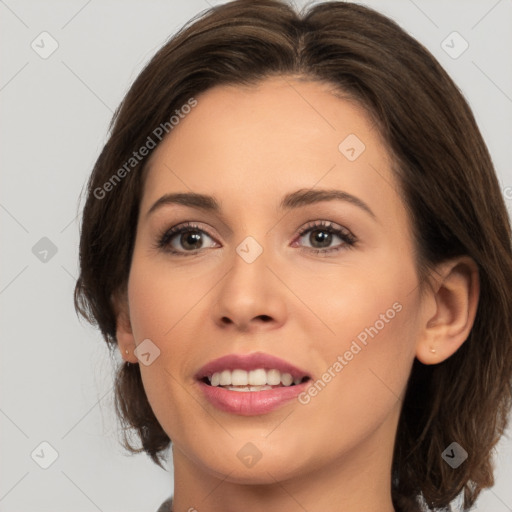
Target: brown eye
(183, 239)
(190, 240)
(322, 234)
(320, 238)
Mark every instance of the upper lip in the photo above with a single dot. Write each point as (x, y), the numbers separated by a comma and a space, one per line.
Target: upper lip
(249, 362)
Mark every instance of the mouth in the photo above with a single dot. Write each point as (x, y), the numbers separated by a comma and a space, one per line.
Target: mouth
(252, 398)
(251, 372)
(251, 384)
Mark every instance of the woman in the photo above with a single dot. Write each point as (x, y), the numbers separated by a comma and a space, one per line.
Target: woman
(296, 239)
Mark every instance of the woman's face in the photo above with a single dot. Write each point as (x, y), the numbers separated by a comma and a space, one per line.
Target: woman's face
(340, 302)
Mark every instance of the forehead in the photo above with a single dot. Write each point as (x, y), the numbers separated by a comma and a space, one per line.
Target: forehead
(282, 133)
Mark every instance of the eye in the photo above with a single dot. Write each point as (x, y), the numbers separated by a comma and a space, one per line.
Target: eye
(191, 239)
(188, 238)
(320, 234)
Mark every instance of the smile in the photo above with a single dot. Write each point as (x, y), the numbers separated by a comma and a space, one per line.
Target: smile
(251, 384)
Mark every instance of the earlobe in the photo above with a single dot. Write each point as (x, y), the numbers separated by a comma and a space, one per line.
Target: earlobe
(124, 333)
(455, 292)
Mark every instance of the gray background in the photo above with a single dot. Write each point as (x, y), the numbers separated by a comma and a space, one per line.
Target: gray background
(55, 372)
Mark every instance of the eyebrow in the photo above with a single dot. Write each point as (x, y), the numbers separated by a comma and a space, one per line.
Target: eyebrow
(293, 200)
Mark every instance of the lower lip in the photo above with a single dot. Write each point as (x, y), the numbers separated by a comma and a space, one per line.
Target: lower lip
(251, 403)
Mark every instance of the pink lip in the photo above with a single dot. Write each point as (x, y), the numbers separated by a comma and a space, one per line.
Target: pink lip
(250, 403)
(249, 362)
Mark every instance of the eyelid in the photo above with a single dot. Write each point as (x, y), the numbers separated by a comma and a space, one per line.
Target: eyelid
(328, 224)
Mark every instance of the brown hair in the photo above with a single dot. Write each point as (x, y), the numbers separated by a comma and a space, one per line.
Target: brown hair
(447, 181)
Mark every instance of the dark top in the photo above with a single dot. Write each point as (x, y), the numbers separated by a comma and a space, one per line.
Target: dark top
(166, 506)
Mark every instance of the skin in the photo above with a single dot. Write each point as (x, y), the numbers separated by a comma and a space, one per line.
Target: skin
(247, 147)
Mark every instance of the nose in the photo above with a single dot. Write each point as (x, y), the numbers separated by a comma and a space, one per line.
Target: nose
(250, 297)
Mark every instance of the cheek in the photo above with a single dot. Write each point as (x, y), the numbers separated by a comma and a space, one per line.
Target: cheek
(166, 306)
(158, 311)
(160, 299)
(148, 302)
(365, 357)
(362, 300)
(361, 388)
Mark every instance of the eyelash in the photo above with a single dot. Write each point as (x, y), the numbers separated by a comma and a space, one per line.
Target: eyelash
(349, 240)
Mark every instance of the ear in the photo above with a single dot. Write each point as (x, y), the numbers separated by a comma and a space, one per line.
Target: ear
(453, 298)
(124, 333)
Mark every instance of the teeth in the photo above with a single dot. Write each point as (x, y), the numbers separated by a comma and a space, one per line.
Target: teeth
(286, 379)
(225, 378)
(256, 377)
(273, 377)
(215, 380)
(261, 378)
(249, 388)
(239, 378)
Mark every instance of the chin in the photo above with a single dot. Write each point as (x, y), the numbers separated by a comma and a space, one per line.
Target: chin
(243, 463)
